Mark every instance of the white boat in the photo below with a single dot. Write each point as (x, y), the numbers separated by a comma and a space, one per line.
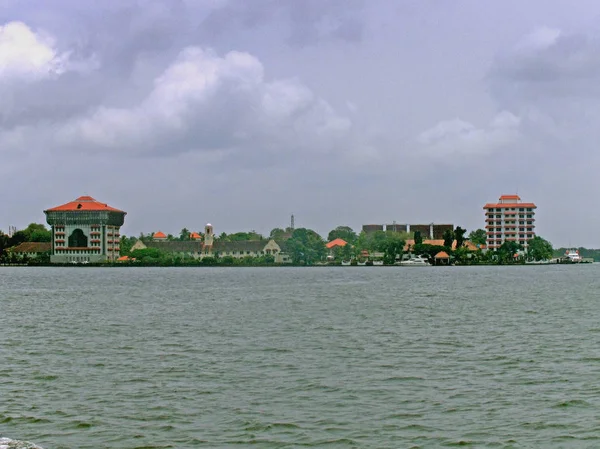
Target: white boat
(361, 264)
(377, 262)
(417, 261)
(346, 263)
(573, 255)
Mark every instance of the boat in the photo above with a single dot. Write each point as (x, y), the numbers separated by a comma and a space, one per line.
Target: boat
(417, 261)
(346, 263)
(573, 256)
(377, 262)
(361, 264)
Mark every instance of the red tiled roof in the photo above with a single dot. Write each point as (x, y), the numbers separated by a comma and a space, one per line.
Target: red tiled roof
(505, 205)
(32, 247)
(510, 197)
(442, 255)
(84, 203)
(336, 242)
(159, 235)
(195, 236)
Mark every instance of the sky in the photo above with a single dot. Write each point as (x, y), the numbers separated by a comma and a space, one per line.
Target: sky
(341, 112)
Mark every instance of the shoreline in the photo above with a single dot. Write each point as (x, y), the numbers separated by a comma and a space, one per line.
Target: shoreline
(124, 265)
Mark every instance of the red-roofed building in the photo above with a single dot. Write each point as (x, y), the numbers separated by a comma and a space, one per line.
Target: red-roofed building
(85, 230)
(159, 236)
(195, 236)
(509, 219)
(337, 242)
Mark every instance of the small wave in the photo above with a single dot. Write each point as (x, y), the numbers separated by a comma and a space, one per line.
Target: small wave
(7, 443)
(573, 403)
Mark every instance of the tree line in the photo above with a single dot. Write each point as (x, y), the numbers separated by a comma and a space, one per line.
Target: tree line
(306, 247)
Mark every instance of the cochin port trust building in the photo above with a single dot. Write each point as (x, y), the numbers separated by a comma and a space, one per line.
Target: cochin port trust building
(85, 231)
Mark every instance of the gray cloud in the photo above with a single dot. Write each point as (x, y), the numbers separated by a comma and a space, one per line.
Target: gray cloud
(302, 23)
(241, 113)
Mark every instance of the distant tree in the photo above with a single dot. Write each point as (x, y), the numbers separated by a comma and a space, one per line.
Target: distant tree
(342, 232)
(170, 237)
(478, 237)
(448, 238)
(148, 255)
(18, 238)
(243, 236)
(305, 246)
(184, 234)
(507, 251)
(539, 249)
(125, 244)
(38, 233)
(3, 242)
(459, 236)
(418, 238)
(277, 233)
(392, 246)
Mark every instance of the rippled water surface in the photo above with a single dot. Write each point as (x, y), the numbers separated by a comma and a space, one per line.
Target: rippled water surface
(352, 357)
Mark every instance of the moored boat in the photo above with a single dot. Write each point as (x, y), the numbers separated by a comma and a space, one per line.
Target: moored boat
(417, 261)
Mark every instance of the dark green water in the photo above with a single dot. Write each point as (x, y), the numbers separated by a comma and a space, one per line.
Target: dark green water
(352, 357)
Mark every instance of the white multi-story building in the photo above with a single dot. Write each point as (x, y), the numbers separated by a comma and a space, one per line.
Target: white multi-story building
(509, 220)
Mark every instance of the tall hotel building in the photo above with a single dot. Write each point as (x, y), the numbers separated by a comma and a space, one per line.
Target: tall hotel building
(84, 231)
(509, 220)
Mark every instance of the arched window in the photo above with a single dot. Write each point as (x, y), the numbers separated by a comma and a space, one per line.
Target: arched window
(78, 239)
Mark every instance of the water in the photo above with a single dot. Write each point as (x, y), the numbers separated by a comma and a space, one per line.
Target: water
(353, 357)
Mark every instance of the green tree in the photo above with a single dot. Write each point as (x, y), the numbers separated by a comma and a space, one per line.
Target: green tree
(305, 246)
(392, 246)
(418, 238)
(277, 233)
(478, 237)
(125, 244)
(448, 238)
(345, 233)
(459, 236)
(507, 251)
(184, 234)
(38, 233)
(539, 249)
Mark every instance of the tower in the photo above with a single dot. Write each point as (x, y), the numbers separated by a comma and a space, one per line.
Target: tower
(208, 235)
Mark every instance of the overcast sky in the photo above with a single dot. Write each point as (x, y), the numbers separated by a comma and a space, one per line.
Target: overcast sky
(342, 112)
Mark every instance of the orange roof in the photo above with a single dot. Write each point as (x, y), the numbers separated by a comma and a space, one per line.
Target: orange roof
(505, 205)
(195, 235)
(159, 235)
(336, 242)
(442, 255)
(510, 197)
(84, 203)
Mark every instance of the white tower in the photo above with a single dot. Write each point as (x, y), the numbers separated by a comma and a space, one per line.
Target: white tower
(208, 235)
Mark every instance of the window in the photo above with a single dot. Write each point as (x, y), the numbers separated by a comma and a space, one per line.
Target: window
(78, 239)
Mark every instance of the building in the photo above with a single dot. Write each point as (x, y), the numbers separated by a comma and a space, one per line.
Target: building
(31, 250)
(431, 230)
(395, 227)
(369, 228)
(509, 220)
(85, 231)
(215, 248)
(159, 236)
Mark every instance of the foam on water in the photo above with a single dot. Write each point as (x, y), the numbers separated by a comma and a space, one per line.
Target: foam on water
(7, 443)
